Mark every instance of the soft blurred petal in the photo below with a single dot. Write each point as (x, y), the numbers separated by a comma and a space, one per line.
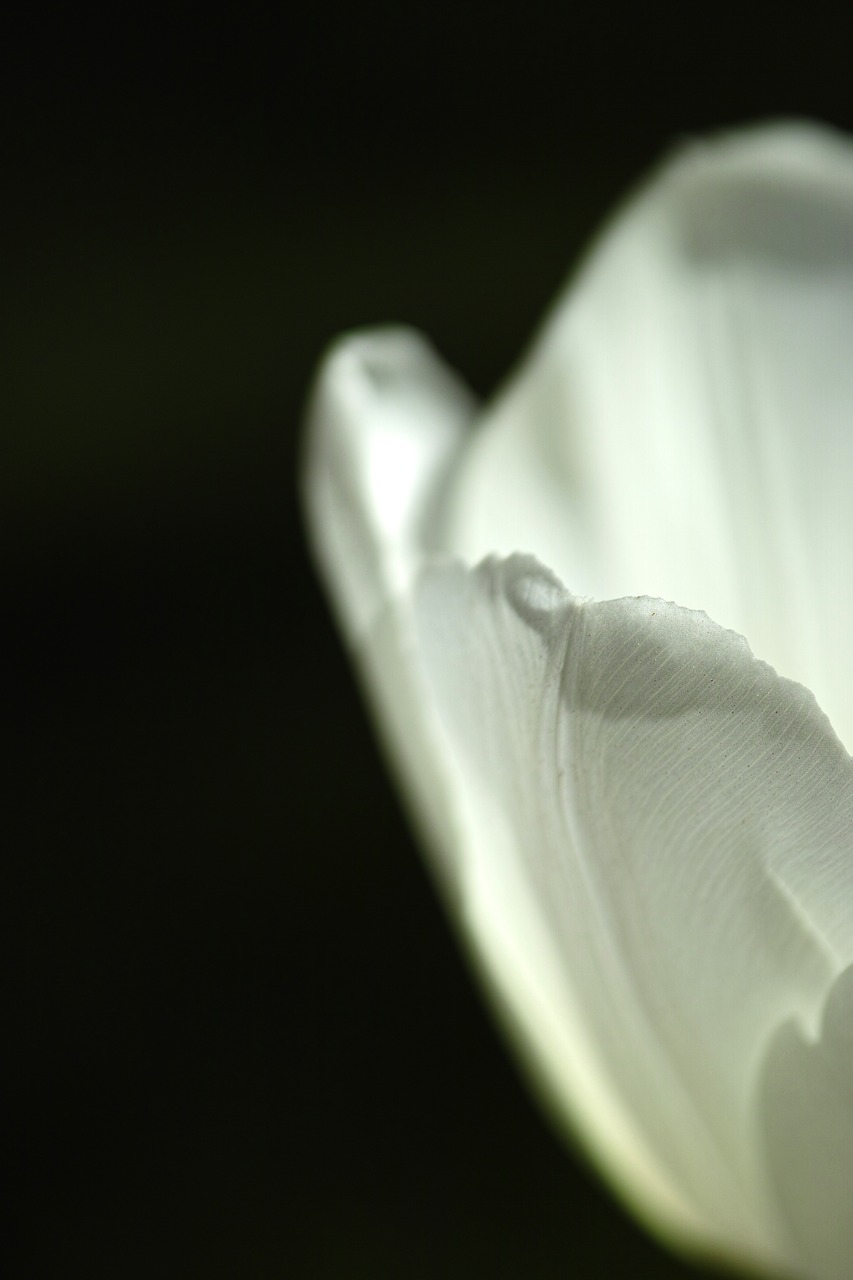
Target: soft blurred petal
(684, 425)
(387, 419)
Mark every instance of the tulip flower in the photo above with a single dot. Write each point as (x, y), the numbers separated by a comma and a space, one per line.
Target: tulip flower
(605, 624)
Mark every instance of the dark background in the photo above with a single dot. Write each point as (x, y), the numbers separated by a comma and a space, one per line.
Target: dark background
(239, 1039)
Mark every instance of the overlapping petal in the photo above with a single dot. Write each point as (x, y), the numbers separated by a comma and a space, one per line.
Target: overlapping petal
(645, 831)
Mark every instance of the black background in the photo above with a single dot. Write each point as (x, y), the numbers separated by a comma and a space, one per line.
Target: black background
(239, 1038)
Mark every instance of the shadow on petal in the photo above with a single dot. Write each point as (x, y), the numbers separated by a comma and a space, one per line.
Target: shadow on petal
(806, 1110)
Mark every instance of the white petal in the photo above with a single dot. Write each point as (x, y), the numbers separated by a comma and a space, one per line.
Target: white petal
(644, 831)
(684, 425)
(650, 831)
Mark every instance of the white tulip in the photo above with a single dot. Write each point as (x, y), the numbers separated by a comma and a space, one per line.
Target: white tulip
(642, 820)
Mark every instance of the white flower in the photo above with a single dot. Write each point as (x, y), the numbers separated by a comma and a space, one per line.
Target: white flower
(644, 831)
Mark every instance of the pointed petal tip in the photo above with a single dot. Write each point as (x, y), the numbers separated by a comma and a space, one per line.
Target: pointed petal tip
(370, 355)
(384, 424)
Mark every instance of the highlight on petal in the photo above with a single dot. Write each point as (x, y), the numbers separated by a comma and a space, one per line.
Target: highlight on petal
(644, 831)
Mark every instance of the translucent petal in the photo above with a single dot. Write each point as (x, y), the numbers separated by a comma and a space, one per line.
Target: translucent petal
(651, 838)
(684, 425)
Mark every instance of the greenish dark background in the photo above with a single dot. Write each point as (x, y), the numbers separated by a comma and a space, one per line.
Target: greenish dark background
(239, 1039)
